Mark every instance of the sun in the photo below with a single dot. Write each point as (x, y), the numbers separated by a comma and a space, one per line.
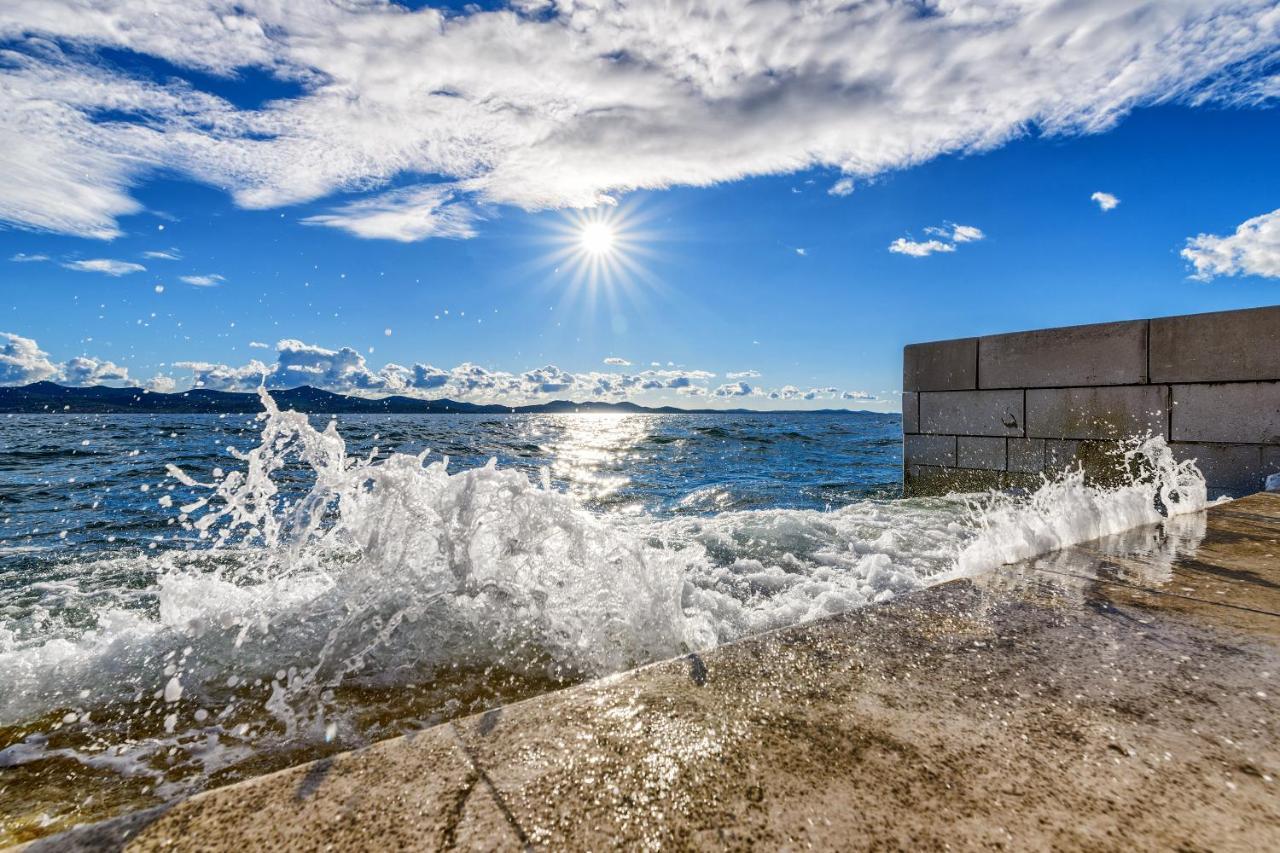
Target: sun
(597, 238)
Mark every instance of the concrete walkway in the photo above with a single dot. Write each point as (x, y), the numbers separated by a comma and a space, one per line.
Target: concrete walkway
(1117, 695)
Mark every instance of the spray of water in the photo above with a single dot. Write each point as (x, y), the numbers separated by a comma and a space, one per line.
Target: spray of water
(288, 613)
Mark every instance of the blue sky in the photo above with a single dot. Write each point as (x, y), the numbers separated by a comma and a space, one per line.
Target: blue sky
(737, 265)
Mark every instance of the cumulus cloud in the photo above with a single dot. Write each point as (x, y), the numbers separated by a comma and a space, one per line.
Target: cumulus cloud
(161, 384)
(735, 389)
(565, 104)
(617, 362)
(945, 239)
(742, 374)
(22, 361)
(85, 370)
(105, 265)
(1105, 201)
(24, 258)
(903, 246)
(211, 280)
(1254, 249)
(259, 345)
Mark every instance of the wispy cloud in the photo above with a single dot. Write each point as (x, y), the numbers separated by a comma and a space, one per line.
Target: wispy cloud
(842, 187)
(24, 258)
(614, 361)
(903, 246)
(1254, 249)
(945, 239)
(210, 280)
(163, 255)
(519, 105)
(404, 215)
(1105, 201)
(107, 266)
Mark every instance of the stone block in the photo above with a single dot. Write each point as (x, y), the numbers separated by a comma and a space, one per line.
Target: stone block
(983, 452)
(972, 412)
(1026, 455)
(1098, 413)
(1219, 347)
(1099, 354)
(1102, 461)
(929, 450)
(1237, 412)
(940, 366)
(910, 411)
(1235, 469)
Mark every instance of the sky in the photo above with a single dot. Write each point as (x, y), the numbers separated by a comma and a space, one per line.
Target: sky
(700, 203)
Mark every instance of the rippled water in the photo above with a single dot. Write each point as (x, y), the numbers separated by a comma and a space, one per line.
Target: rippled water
(189, 600)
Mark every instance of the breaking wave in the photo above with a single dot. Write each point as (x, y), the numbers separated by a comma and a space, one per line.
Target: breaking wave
(309, 596)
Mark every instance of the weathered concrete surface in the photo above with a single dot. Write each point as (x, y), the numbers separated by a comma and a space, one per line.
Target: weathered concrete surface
(1099, 354)
(940, 366)
(971, 412)
(1223, 346)
(1026, 455)
(981, 452)
(910, 411)
(932, 449)
(1243, 412)
(1114, 696)
(1101, 412)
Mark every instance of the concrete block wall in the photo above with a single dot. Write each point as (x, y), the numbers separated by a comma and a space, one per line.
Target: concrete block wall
(999, 410)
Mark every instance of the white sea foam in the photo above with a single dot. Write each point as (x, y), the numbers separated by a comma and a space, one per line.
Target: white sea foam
(389, 570)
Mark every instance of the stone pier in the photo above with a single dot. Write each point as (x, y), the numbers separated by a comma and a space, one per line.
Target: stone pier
(997, 411)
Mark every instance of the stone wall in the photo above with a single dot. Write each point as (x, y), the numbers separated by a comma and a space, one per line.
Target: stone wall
(999, 410)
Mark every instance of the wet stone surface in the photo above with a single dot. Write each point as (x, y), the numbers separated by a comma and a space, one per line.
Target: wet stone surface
(1118, 695)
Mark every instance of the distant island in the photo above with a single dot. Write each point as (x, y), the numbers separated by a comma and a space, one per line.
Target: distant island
(51, 398)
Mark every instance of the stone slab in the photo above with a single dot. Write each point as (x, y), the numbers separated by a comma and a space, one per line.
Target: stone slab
(981, 452)
(1097, 413)
(972, 412)
(1098, 354)
(1219, 347)
(1242, 412)
(1234, 469)
(1118, 695)
(929, 450)
(940, 366)
(910, 411)
(1026, 455)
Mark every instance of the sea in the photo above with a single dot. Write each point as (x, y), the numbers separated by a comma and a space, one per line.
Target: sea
(191, 600)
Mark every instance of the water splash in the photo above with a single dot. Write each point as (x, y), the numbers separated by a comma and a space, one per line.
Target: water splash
(314, 597)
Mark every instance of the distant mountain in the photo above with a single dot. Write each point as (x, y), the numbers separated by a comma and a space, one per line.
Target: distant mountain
(49, 398)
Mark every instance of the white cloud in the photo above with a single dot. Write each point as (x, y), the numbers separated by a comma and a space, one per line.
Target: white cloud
(259, 345)
(857, 395)
(842, 187)
(85, 370)
(617, 362)
(24, 258)
(211, 280)
(735, 389)
(105, 265)
(22, 361)
(1106, 201)
(802, 252)
(161, 384)
(947, 237)
(403, 215)
(165, 255)
(556, 105)
(903, 246)
(1254, 249)
(743, 374)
